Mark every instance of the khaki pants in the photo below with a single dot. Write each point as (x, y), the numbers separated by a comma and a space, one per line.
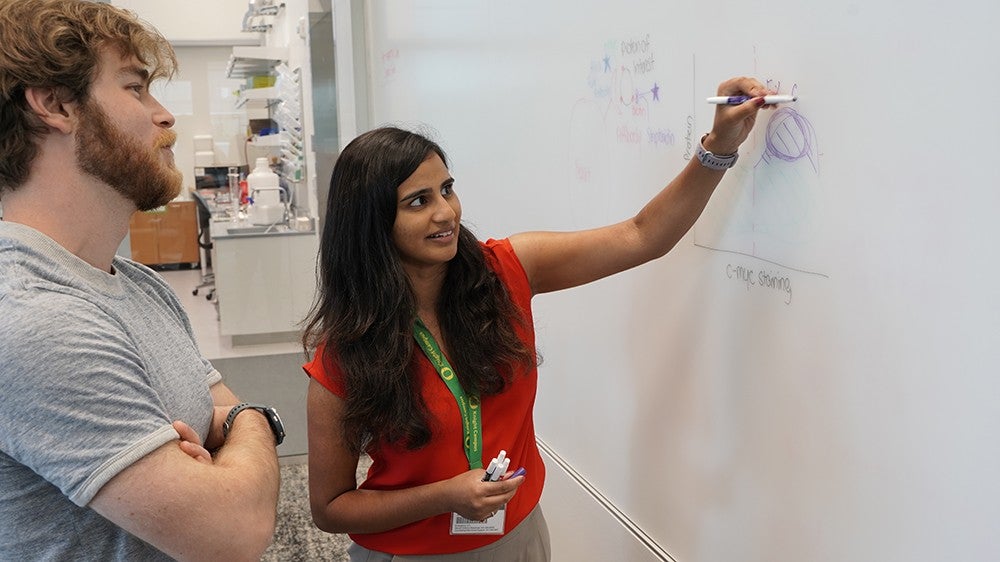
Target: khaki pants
(528, 542)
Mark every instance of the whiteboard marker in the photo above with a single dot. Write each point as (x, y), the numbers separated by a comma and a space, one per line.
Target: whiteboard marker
(501, 470)
(490, 469)
(736, 100)
(519, 472)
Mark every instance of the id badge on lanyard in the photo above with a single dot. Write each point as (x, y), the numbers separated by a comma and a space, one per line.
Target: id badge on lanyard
(472, 429)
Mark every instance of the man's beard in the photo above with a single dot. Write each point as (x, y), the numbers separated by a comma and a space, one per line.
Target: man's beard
(135, 171)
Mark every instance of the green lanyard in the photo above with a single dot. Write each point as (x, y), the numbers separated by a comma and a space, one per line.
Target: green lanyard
(468, 406)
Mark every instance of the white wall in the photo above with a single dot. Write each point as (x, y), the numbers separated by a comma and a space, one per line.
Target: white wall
(195, 22)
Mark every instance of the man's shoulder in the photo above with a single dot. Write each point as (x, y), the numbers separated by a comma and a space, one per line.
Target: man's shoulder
(37, 321)
(144, 277)
(34, 304)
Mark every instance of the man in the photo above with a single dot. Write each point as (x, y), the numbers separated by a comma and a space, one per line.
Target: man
(105, 399)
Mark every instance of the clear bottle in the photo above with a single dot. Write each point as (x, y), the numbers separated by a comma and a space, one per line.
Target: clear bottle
(234, 191)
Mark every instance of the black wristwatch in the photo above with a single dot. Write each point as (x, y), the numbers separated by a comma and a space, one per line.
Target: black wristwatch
(270, 413)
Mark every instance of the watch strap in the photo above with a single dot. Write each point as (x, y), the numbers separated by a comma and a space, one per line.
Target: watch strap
(273, 421)
(714, 161)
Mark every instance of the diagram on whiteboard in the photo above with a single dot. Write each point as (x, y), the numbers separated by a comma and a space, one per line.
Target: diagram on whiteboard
(619, 122)
(625, 124)
(622, 93)
(769, 207)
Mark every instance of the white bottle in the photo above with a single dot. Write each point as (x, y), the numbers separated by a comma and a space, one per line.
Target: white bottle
(262, 184)
(263, 188)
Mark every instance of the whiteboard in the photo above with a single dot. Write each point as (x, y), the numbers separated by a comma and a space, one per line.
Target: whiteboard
(811, 374)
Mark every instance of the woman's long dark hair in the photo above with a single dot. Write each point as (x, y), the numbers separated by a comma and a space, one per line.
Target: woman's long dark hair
(365, 309)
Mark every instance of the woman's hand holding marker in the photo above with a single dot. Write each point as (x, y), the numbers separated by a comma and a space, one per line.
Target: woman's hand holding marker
(498, 467)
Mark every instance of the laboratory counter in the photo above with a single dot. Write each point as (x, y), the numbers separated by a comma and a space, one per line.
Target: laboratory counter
(226, 228)
(265, 276)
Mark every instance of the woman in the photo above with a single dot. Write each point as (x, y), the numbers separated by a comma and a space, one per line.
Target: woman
(425, 352)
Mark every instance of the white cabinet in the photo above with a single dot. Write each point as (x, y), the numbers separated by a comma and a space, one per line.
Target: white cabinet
(265, 283)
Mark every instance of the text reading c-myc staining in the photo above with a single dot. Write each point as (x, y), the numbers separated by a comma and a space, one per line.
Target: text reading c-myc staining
(772, 280)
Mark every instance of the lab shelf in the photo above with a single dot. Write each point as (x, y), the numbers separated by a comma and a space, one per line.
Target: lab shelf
(269, 95)
(247, 61)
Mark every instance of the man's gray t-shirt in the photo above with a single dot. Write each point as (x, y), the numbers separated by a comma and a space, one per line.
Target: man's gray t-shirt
(94, 368)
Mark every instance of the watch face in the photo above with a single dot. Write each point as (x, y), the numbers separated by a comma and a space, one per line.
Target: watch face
(276, 426)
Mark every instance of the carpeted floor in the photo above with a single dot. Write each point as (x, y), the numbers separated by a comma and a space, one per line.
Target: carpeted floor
(296, 538)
